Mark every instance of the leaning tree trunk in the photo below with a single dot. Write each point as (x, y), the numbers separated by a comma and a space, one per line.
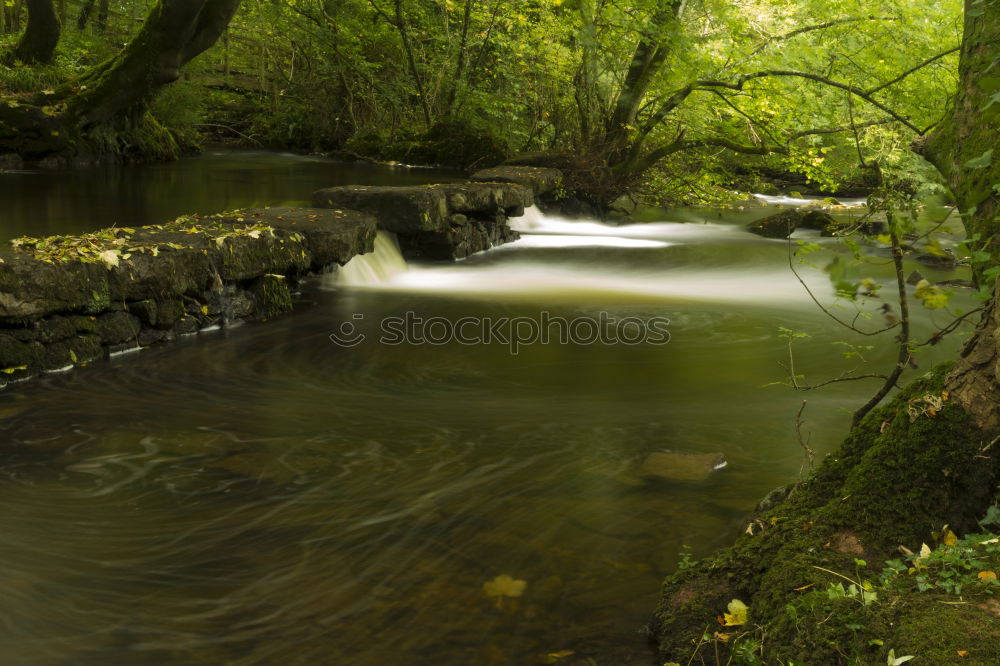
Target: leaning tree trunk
(119, 90)
(38, 43)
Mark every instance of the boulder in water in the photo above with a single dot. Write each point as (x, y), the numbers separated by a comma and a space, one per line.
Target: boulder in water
(779, 225)
(675, 466)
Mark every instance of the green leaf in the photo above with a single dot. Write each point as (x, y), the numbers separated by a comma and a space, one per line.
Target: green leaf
(982, 161)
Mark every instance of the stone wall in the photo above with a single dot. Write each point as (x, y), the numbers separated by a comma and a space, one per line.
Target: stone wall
(68, 300)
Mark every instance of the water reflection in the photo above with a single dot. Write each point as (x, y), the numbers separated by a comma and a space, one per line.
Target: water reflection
(43, 203)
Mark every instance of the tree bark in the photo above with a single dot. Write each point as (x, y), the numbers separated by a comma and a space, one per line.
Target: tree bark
(974, 381)
(38, 43)
(174, 33)
(962, 147)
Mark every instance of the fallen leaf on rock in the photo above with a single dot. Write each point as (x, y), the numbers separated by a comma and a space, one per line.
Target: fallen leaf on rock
(109, 257)
(737, 614)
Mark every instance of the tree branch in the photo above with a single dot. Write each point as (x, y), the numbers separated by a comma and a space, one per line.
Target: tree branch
(905, 74)
(854, 90)
(810, 28)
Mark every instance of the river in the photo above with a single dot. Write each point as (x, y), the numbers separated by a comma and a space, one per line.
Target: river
(265, 495)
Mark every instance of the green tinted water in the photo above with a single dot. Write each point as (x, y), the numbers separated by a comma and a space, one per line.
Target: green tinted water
(262, 495)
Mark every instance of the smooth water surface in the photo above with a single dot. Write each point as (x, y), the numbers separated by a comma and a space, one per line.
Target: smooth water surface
(262, 495)
(47, 202)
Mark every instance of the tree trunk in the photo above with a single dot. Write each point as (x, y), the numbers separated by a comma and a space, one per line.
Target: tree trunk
(648, 59)
(84, 15)
(962, 147)
(38, 43)
(928, 458)
(102, 17)
(174, 32)
(400, 23)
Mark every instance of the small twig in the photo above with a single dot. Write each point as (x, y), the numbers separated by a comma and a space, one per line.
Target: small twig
(804, 443)
(697, 647)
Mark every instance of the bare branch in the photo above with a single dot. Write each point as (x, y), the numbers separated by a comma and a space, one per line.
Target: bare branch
(905, 74)
(810, 28)
(905, 352)
(854, 90)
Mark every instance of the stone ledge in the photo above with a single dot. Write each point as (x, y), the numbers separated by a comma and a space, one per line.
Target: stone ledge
(67, 300)
(437, 221)
(539, 179)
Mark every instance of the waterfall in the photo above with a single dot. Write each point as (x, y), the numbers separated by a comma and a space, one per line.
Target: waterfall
(374, 268)
(532, 220)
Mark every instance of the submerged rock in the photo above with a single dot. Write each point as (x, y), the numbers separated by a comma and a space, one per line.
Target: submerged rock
(783, 224)
(681, 466)
(779, 225)
(941, 262)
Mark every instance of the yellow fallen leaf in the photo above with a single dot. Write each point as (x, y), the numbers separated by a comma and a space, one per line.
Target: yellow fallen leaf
(986, 575)
(948, 538)
(504, 586)
(109, 257)
(737, 614)
(962, 653)
(553, 657)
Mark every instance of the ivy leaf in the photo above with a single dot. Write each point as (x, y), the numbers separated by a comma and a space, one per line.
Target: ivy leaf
(980, 162)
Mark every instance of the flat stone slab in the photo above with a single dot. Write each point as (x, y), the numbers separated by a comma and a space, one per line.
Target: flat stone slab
(539, 179)
(67, 300)
(681, 466)
(85, 274)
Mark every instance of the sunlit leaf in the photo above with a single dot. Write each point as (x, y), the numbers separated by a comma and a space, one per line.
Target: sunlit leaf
(980, 162)
(109, 257)
(737, 614)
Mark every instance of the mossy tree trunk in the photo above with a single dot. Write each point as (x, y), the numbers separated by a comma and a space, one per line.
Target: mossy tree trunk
(105, 111)
(38, 43)
(963, 147)
(927, 459)
(173, 34)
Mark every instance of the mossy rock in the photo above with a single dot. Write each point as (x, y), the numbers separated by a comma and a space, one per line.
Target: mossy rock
(907, 469)
(270, 296)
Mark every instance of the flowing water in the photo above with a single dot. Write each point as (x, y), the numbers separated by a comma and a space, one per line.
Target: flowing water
(266, 495)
